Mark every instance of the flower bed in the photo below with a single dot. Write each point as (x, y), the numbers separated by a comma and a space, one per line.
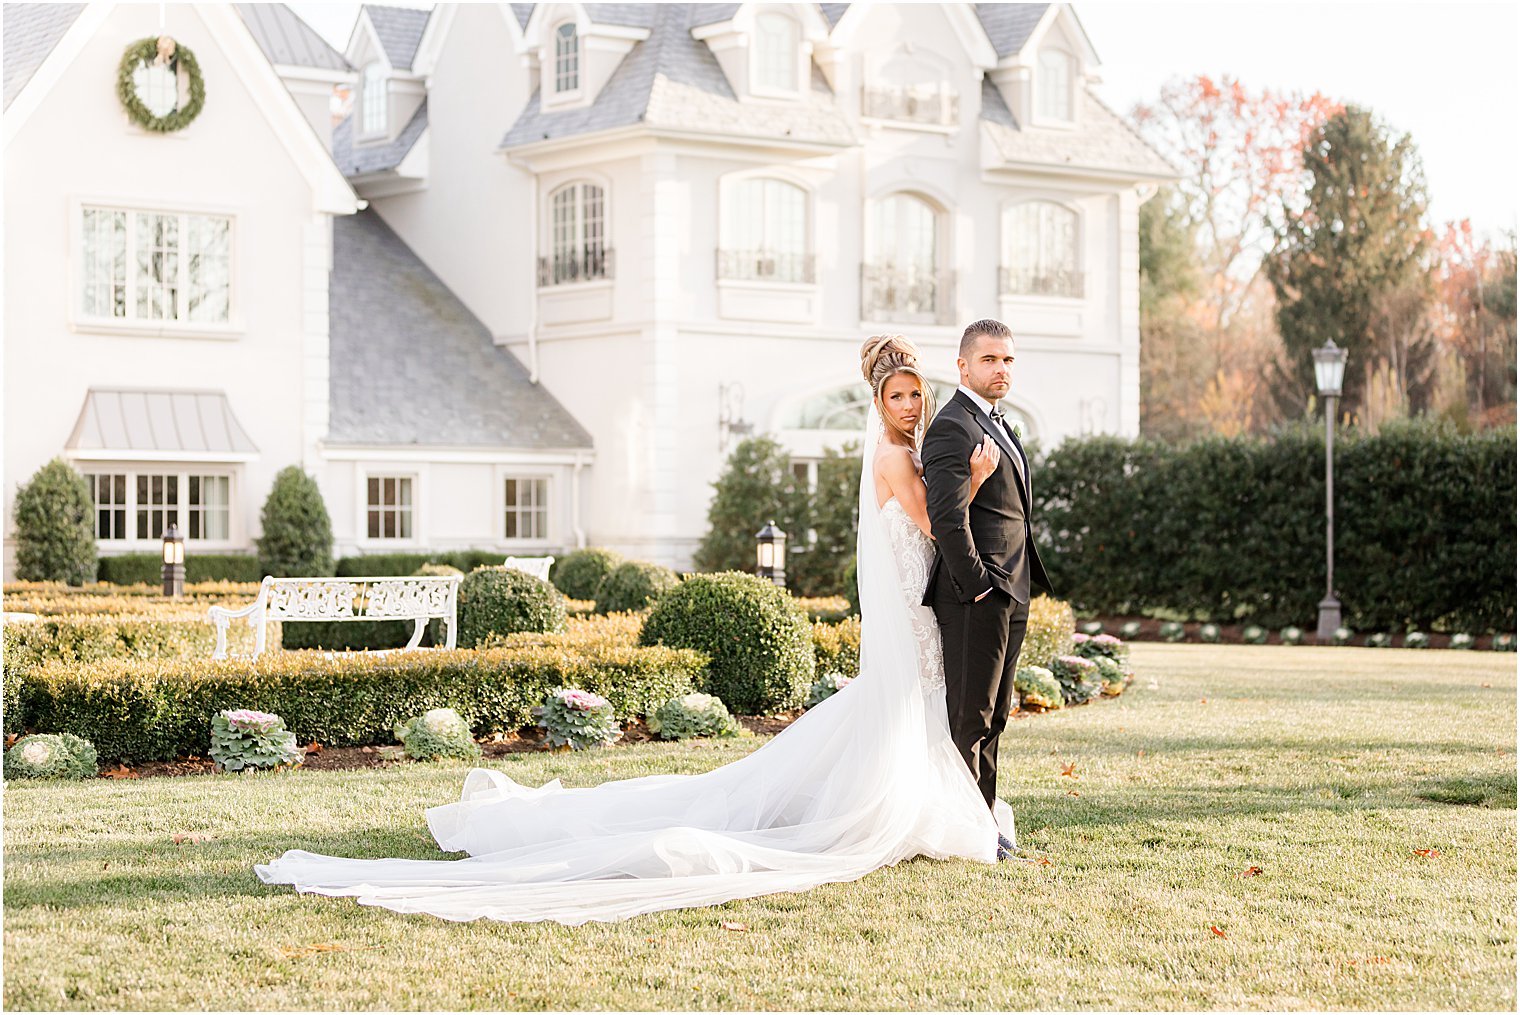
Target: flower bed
(157, 709)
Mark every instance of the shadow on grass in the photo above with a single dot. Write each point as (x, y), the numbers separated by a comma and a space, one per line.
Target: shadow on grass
(1497, 793)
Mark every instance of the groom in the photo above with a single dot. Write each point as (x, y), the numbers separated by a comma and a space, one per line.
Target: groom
(981, 577)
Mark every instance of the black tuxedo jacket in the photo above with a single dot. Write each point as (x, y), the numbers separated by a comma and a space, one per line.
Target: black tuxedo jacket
(986, 542)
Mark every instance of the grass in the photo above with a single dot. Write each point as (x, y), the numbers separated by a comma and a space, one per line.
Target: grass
(1325, 768)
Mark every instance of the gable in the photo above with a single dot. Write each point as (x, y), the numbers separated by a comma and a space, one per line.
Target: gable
(31, 33)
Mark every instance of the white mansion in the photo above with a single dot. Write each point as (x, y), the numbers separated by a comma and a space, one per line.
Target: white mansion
(552, 266)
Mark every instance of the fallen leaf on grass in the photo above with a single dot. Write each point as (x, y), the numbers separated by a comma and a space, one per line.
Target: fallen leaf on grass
(180, 838)
(1429, 854)
(1072, 792)
(1070, 770)
(731, 925)
(1250, 872)
(1203, 701)
(1140, 753)
(1217, 931)
(120, 772)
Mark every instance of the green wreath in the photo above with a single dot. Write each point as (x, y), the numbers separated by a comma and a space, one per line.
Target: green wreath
(146, 51)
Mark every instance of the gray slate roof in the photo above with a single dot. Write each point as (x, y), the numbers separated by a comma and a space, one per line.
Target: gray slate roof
(1008, 25)
(672, 80)
(400, 31)
(286, 39)
(833, 12)
(133, 419)
(31, 32)
(354, 160)
(523, 12)
(1103, 140)
(411, 366)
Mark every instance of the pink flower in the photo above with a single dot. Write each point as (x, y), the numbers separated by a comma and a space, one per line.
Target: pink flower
(249, 721)
(1080, 639)
(585, 701)
(1107, 639)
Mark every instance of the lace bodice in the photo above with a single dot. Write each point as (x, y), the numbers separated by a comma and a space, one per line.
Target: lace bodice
(914, 553)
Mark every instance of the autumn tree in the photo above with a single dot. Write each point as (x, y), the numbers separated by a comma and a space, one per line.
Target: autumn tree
(1240, 155)
(1348, 266)
(1475, 288)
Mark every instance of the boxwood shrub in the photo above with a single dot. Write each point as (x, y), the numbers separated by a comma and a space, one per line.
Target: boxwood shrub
(633, 585)
(496, 601)
(836, 648)
(578, 574)
(390, 565)
(759, 640)
(1052, 627)
(147, 568)
(141, 710)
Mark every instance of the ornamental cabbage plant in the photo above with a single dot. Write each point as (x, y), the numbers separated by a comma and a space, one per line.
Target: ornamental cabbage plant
(578, 719)
(1037, 686)
(245, 740)
(52, 756)
(826, 686)
(438, 733)
(694, 715)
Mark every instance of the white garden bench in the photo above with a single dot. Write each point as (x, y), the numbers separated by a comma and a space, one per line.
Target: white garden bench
(538, 567)
(415, 598)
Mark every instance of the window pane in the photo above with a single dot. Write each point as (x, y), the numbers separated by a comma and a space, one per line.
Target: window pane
(776, 52)
(566, 59)
(1055, 82)
(209, 267)
(109, 492)
(157, 280)
(105, 262)
(373, 99)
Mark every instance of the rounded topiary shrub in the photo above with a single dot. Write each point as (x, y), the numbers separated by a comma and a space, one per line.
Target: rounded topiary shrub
(1050, 633)
(501, 601)
(298, 538)
(55, 526)
(579, 574)
(634, 585)
(52, 756)
(758, 639)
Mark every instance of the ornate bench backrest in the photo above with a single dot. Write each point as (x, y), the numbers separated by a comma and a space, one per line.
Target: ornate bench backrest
(538, 567)
(401, 598)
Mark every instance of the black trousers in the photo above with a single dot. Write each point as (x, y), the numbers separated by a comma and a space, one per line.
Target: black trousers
(981, 643)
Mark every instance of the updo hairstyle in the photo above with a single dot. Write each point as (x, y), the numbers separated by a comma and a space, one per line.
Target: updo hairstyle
(885, 356)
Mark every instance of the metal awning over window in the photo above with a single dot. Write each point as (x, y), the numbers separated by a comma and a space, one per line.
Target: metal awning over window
(123, 423)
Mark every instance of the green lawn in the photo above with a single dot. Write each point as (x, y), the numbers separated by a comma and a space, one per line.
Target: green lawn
(1325, 768)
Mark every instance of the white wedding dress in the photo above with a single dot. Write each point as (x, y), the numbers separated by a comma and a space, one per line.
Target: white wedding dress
(863, 780)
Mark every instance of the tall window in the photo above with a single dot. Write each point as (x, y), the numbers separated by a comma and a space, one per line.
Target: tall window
(1053, 98)
(209, 509)
(389, 506)
(776, 52)
(527, 508)
(157, 504)
(1041, 250)
(156, 266)
(567, 59)
(765, 232)
(902, 281)
(578, 232)
(373, 100)
(109, 491)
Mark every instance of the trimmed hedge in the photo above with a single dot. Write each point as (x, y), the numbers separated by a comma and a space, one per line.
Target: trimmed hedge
(140, 710)
(1232, 530)
(836, 648)
(147, 568)
(579, 574)
(634, 585)
(759, 640)
(391, 565)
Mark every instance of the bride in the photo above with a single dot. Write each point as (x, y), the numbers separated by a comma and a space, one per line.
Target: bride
(863, 780)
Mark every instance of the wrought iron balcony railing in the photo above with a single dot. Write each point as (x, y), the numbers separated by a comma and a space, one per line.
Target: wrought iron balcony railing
(587, 264)
(766, 266)
(913, 104)
(1041, 282)
(915, 295)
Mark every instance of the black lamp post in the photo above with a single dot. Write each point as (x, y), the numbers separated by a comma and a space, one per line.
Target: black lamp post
(174, 562)
(770, 553)
(1329, 371)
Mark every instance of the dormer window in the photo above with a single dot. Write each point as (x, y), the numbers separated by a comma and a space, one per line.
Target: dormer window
(567, 59)
(1053, 98)
(372, 108)
(775, 54)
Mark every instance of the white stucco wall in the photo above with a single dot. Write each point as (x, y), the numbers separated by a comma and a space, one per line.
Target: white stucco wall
(78, 147)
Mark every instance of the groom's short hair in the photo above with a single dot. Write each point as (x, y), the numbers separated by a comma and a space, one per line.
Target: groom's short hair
(976, 329)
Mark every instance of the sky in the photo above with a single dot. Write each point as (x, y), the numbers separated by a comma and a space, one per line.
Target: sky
(1446, 73)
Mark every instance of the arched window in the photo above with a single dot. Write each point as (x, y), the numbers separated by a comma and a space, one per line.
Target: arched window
(764, 230)
(1041, 250)
(578, 236)
(1053, 94)
(567, 59)
(373, 105)
(902, 280)
(775, 54)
